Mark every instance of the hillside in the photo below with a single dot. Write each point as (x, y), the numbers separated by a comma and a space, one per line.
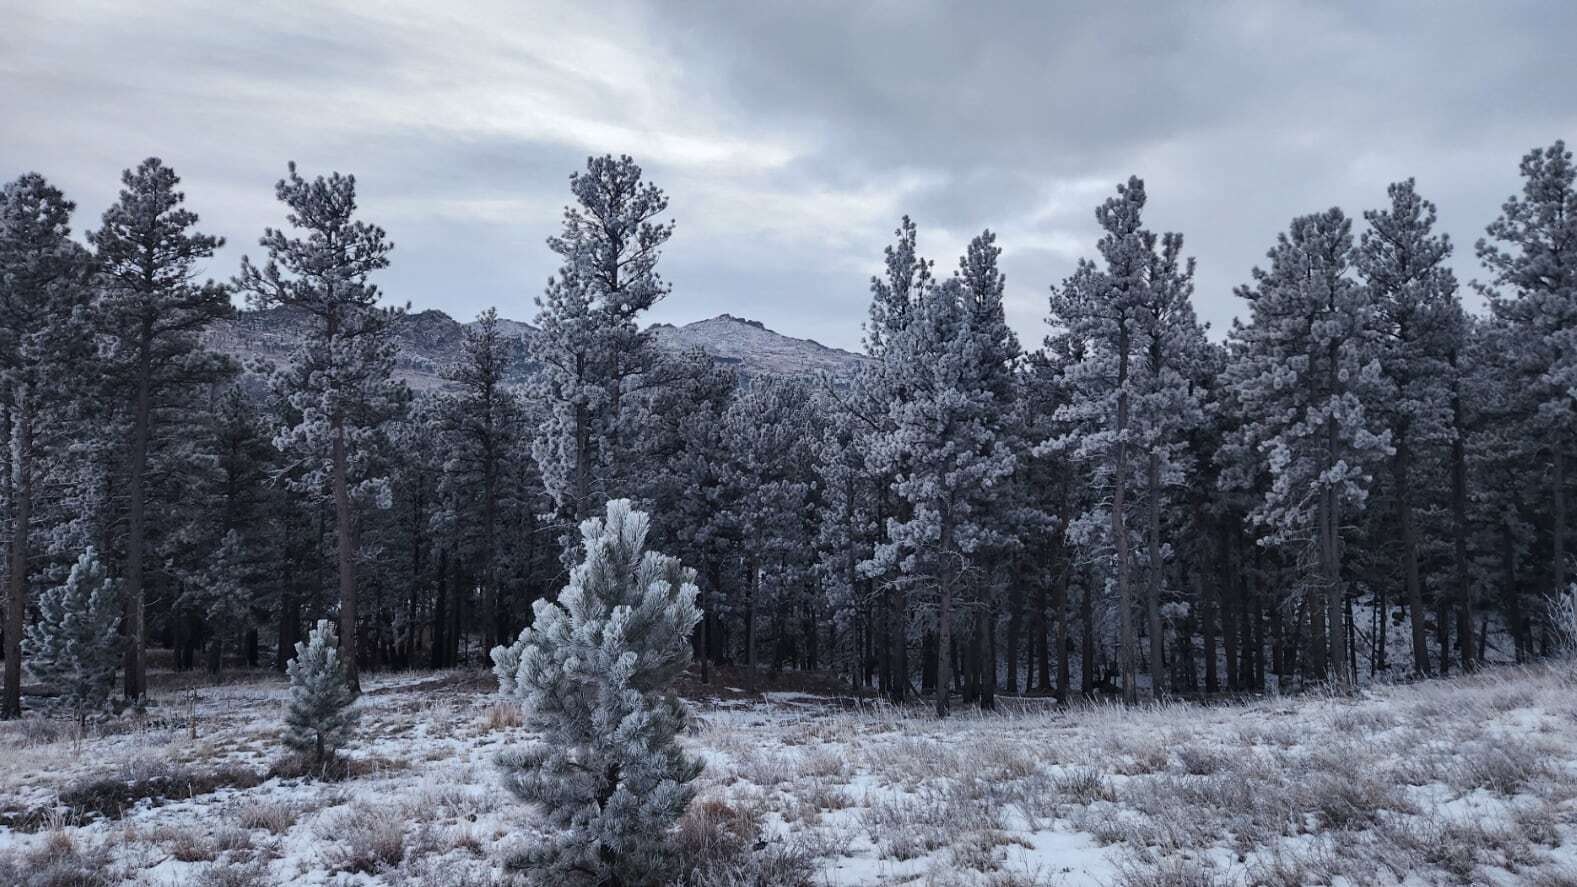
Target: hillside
(753, 349)
(430, 340)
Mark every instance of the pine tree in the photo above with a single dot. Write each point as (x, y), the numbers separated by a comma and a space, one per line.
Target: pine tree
(767, 432)
(1306, 376)
(153, 311)
(482, 424)
(592, 351)
(228, 596)
(945, 447)
(1532, 254)
(1417, 312)
(43, 336)
(594, 674)
(1166, 408)
(679, 437)
(865, 412)
(320, 715)
(74, 647)
(1103, 313)
(339, 383)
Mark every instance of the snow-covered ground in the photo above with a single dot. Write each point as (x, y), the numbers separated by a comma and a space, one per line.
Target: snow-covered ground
(1468, 780)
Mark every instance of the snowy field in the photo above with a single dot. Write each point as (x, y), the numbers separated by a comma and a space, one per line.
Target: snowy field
(1471, 780)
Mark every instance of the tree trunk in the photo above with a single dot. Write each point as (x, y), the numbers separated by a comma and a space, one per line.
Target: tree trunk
(1330, 555)
(1127, 640)
(1152, 598)
(17, 560)
(1207, 627)
(440, 652)
(1087, 638)
(582, 465)
(491, 619)
(1459, 528)
(944, 645)
(1415, 595)
(1335, 635)
(1015, 626)
(345, 543)
(986, 628)
(1558, 491)
(1059, 607)
(898, 637)
(136, 676)
(1511, 594)
(1226, 588)
(752, 586)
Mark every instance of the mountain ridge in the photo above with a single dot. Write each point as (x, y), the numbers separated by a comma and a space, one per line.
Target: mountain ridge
(431, 339)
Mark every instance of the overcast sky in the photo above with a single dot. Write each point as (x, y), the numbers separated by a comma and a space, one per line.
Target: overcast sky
(790, 137)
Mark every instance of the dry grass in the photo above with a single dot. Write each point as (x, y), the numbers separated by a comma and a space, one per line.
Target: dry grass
(503, 715)
(63, 859)
(274, 817)
(1468, 781)
(719, 844)
(365, 838)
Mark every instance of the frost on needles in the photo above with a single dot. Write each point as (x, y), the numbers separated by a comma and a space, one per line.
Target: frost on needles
(594, 674)
(74, 646)
(320, 718)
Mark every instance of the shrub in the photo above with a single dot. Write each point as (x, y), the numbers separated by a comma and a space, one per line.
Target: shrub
(594, 673)
(320, 718)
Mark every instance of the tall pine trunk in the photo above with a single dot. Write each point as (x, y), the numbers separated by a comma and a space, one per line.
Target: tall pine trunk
(136, 677)
(1059, 606)
(1152, 602)
(1558, 491)
(17, 560)
(1330, 552)
(1415, 594)
(1087, 637)
(1127, 640)
(491, 618)
(345, 545)
(1459, 528)
(944, 646)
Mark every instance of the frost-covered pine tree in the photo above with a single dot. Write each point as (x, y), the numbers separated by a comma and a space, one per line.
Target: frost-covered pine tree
(1418, 316)
(1166, 407)
(321, 712)
(594, 674)
(482, 426)
(227, 597)
(1102, 314)
(945, 445)
(1531, 253)
(591, 347)
(152, 310)
(44, 294)
(864, 412)
(767, 432)
(1306, 376)
(74, 646)
(339, 384)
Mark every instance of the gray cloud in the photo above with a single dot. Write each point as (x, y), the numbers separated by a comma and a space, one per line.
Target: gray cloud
(790, 137)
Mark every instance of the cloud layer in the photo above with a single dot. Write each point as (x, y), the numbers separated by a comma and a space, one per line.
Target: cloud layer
(791, 137)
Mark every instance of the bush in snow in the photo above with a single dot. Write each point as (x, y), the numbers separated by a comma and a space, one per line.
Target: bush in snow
(1561, 610)
(320, 718)
(593, 673)
(74, 647)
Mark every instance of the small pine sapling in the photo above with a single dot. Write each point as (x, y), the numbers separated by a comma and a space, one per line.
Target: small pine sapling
(594, 673)
(74, 647)
(320, 718)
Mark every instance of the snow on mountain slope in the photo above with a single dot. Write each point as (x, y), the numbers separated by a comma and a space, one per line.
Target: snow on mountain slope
(750, 347)
(430, 340)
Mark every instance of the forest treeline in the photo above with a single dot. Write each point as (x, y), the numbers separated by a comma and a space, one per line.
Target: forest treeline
(1363, 478)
